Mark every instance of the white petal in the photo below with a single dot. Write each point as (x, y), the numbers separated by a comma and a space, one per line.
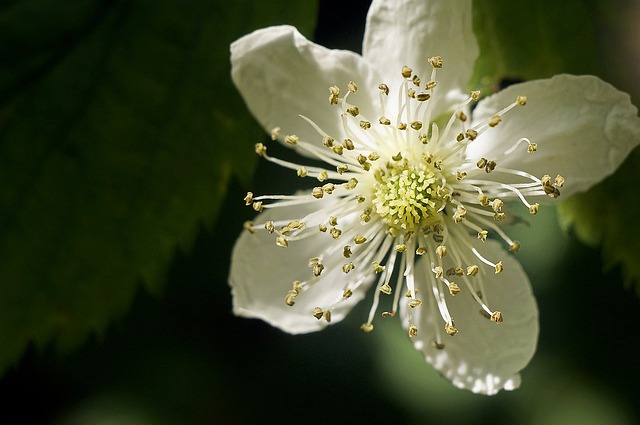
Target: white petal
(262, 273)
(408, 32)
(583, 126)
(483, 357)
(281, 75)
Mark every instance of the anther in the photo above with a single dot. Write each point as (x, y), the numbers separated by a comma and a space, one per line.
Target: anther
(317, 269)
(499, 267)
(413, 330)
(359, 239)
(269, 227)
(348, 267)
(475, 95)
(384, 88)
(482, 162)
(491, 165)
(317, 192)
(471, 134)
(521, 100)
(450, 329)
(397, 157)
(260, 149)
(291, 139)
(248, 226)
(258, 206)
(437, 271)
(318, 313)
(401, 247)
(335, 232)
(373, 156)
(348, 144)
(461, 116)
(249, 198)
(431, 85)
(416, 80)
(559, 180)
(406, 71)
(346, 252)
(441, 250)
(495, 120)
(514, 247)
(384, 121)
(436, 61)
(532, 147)
(482, 235)
(328, 188)
(421, 251)
(365, 125)
(497, 205)
(352, 87)
(275, 133)
(322, 176)
(337, 149)
(367, 327)
(454, 289)
(342, 168)
(415, 303)
(421, 97)
(328, 141)
(496, 317)
(334, 92)
(327, 316)
(416, 125)
(322, 227)
(386, 289)
(347, 294)
(402, 126)
(354, 111)
(472, 270)
(302, 171)
(460, 175)
(282, 242)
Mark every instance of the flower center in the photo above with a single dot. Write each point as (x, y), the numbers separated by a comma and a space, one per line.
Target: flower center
(406, 197)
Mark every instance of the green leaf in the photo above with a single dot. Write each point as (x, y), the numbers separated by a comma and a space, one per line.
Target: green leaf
(525, 40)
(119, 131)
(607, 215)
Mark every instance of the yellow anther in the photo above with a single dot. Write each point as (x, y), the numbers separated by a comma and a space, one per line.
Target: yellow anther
(317, 192)
(436, 61)
(354, 111)
(421, 97)
(347, 294)
(359, 239)
(352, 87)
(450, 329)
(342, 168)
(317, 269)
(322, 176)
(367, 327)
(438, 272)
(328, 188)
(431, 85)
(532, 147)
(441, 250)
(335, 232)
(373, 156)
(291, 139)
(275, 133)
(521, 100)
(260, 149)
(416, 125)
(559, 180)
(269, 227)
(334, 92)
(416, 80)
(415, 303)
(384, 88)
(248, 200)
(482, 162)
(386, 289)
(499, 267)
(495, 120)
(384, 121)
(318, 313)
(514, 247)
(258, 206)
(322, 227)
(471, 134)
(413, 330)
(472, 270)
(348, 144)
(482, 235)
(454, 289)
(248, 226)
(302, 171)
(328, 141)
(337, 149)
(497, 205)
(496, 317)
(348, 267)
(365, 125)
(421, 250)
(377, 268)
(346, 251)
(401, 247)
(533, 209)
(282, 242)
(406, 71)
(475, 95)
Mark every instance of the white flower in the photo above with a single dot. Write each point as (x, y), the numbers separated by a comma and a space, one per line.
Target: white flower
(410, 197)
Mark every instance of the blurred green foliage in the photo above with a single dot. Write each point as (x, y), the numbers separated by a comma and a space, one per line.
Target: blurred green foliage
(119, 131)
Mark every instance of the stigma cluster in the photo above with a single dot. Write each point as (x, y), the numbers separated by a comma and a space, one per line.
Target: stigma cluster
(399, 193)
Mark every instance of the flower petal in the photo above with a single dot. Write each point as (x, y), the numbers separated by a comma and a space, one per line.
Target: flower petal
(408, 32)
(483, 357)
(281, 75)
(583, 126)
(262, 273)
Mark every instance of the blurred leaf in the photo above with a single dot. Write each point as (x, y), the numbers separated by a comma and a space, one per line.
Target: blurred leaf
(607, 215)
(119, 130)
(525, 40)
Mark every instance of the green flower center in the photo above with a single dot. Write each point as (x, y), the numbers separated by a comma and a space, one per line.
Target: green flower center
(406, 197)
